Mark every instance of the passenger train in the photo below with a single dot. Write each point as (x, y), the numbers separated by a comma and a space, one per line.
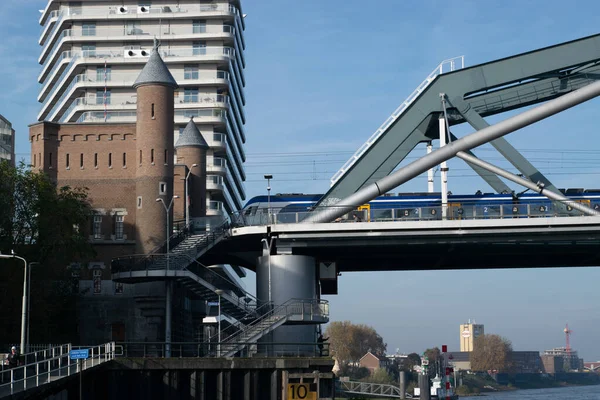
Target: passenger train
(293, 207)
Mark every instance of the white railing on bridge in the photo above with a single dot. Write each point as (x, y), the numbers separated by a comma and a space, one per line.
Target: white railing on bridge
(370, 389)
(444, 67)
(51, 365)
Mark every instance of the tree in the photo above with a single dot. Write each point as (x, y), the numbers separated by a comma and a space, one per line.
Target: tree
(434, 357)
(47, 225)
(380, 375)
(412, 360)
(349, 342)
(491, 352)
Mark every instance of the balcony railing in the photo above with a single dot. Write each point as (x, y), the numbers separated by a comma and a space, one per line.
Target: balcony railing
(125, 11)
(124, 32)
(181, 116)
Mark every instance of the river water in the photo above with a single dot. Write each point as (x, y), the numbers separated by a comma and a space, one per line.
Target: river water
(565, 393)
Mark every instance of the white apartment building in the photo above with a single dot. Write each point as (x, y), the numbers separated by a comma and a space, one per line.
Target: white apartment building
(7, 141)
(93, 50)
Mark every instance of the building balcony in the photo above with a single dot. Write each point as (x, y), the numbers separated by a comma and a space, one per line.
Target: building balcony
(69, 61)
(216, 165)
(210, 116)
(131, 12)
(127, 34)
(214, 208)
(217, 141)
(128, 102)
(214, 183)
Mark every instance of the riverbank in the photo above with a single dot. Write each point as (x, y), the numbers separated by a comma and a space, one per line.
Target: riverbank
(474, 385)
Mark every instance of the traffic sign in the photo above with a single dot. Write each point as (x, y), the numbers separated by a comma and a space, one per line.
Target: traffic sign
(300, 391)
(80, 354)
(213, 303)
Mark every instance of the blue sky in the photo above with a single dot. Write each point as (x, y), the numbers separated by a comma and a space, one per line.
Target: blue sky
(322, 76)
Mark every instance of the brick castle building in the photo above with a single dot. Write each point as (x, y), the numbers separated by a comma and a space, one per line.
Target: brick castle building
(130, 170)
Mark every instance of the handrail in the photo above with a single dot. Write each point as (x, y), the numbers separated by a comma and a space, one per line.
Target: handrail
(58, 366)
(396, 114)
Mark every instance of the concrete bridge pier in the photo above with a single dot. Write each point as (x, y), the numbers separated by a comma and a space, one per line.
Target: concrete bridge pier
(280, 278)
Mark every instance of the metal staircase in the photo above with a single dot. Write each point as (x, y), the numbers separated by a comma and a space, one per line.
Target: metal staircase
(369, 389)
(181, 265)
(293, 311)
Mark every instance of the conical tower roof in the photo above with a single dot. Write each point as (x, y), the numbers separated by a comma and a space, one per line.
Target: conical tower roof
(155, 72)
(191, 136)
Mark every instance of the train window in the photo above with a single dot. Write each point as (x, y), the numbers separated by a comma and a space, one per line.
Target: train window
(250, 210)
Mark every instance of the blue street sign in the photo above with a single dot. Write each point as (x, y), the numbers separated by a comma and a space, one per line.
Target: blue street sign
(213, 303)
(80, 354)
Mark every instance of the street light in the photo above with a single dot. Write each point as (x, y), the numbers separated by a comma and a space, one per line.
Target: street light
(169, 294)
(25, 291)
(31, 264)
(167, 209)
(187, 197)
(268, 177)
(219, 292)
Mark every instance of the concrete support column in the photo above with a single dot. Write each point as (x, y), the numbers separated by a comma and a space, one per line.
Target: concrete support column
(424, 387)
(220, 386)
(402, 384)
(168, 317)
(274, 392)
(247, 385)
(281, 278)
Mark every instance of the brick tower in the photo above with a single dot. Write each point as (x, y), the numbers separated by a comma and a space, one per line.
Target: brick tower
(191, 150)
(155, 88)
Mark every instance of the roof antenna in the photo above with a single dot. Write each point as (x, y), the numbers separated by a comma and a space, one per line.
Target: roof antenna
(156, 44)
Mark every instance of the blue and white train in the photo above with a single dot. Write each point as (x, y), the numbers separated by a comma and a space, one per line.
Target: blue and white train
(293, 207)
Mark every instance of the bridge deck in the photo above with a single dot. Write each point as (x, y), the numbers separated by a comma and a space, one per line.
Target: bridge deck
(425, 245)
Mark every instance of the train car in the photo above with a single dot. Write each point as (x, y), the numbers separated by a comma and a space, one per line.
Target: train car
(293, 207)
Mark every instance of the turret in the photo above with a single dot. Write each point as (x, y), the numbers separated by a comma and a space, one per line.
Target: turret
(155, 88)
(191, 150)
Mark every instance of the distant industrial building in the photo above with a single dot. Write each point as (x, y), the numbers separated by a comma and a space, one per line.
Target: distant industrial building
(468, 333)
(570, 359)
(7, 141)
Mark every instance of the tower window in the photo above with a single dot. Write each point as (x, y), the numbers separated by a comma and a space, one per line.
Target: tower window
(152, 110)
(119, 227)
(109, 160)
(140, 157)
(152, 156)
(124, 160)
(34, 160)
(166, 156)
(49, 160)
(81, 160)
(95, 160)
(162, 188)
(139, 202)
(68, 164)
(97, 228)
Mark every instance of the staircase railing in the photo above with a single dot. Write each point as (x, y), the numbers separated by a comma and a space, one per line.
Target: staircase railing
(451, 64)
(305, 309)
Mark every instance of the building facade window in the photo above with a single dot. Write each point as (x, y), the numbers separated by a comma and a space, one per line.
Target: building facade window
(119, 226)
(97, 228)
(140, 157)
(88, 29)
(89, 50)
(199, 26)
(190, 95)
(124, 160)
(162, 188)
(139, 202)
(166, 156)
(97, 275)
(95, 160)
(199, 48)
(67, 161)
(109, 160)
(152, 156)
(190, 72)
(118, 287)
(49, 160)
(103, 74)
(103, 96)
(81, 160)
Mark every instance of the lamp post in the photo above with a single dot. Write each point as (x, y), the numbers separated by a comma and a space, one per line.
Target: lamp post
(31, 264)
(25, 291)
(187, 197)
(169, 286)
(268, 177)
(167, 209)
(219, 292)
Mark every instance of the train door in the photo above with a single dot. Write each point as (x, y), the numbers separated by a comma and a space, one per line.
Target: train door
(365, 212)
(455, 211)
